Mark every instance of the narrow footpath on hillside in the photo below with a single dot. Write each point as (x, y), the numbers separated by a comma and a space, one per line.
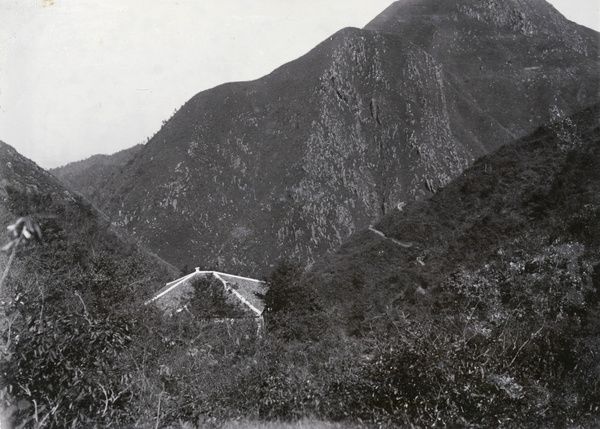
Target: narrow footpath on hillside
(393, 240)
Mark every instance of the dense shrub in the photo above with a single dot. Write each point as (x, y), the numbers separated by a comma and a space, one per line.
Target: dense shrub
(292, 310)
(64, 366)
(64, 308)
(208, 299)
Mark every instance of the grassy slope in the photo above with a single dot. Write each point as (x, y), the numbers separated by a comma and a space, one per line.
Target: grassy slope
(72, 228)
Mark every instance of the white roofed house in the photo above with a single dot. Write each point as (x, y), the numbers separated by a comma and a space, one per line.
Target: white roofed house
(213, 295)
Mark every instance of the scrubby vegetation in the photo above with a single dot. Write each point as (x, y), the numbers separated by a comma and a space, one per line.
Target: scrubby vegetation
(490, 318)
(65, 303)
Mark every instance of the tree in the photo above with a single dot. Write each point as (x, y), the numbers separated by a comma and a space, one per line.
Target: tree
(292, 310)
(208, 299)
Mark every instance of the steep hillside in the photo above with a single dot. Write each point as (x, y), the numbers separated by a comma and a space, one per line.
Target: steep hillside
(70, 286)
(478, 307)
(85, 176)
(293, 163)
(79, 250)
(515, 209)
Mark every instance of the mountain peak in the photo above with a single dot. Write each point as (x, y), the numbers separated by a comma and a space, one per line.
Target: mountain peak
(528, 17)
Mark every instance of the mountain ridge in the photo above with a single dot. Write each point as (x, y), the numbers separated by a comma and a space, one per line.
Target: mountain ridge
(85, 175)
(292, 163)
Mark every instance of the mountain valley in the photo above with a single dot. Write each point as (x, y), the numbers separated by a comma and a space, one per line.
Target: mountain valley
(291, 164)
(421, 198)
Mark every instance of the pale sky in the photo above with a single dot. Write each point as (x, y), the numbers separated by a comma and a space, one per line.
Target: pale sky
(82, 77)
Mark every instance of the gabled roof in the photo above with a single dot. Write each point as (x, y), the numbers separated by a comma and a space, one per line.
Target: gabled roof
(243, 288)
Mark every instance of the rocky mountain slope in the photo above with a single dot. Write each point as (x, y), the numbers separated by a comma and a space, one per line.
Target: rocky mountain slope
(293, 163)
(85, 176)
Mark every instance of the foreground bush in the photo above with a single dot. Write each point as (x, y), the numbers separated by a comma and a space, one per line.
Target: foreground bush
(64, 370)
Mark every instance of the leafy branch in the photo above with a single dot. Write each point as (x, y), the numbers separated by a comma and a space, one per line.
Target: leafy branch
(23, 230)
